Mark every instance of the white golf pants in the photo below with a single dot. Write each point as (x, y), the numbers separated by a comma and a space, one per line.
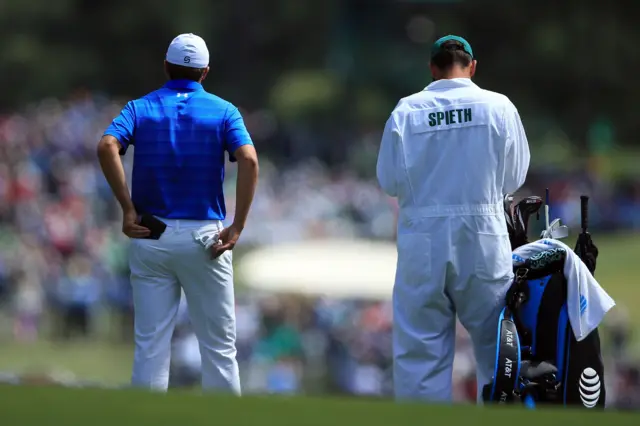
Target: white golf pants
(159, 268)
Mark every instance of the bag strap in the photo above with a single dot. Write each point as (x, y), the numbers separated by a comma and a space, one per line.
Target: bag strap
(517, 295)
(507, 366)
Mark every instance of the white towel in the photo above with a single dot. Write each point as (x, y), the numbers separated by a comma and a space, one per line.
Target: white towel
(207, 236)
(587, 302)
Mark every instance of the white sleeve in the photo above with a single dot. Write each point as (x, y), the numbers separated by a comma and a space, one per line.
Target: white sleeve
(518, 155)
(386, 169)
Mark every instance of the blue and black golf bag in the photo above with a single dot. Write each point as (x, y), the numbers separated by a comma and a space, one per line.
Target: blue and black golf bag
(538, 359)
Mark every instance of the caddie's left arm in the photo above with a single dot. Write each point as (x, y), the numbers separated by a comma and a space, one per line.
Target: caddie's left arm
(518, 155)
(386, 169)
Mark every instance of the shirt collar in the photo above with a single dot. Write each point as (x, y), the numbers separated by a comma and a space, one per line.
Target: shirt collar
(450, 83)
(187, 85)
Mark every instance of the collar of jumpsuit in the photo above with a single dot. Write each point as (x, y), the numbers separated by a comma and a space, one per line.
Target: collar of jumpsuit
(450, 83)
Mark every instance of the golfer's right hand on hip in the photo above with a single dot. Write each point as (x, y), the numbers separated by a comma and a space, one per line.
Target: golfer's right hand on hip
(227, 241)
(130, 226)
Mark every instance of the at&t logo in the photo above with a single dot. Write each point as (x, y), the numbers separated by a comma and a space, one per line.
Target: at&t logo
(589, 387)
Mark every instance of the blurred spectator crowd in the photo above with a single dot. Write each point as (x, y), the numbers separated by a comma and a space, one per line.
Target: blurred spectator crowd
(61, 252)
(290, 344)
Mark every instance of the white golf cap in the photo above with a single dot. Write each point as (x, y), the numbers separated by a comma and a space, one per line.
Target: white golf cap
(188, 50)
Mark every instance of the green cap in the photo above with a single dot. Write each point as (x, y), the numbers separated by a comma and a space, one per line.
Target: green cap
(463, 43)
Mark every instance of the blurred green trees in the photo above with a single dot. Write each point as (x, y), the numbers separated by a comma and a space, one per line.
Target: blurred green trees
(337, 63)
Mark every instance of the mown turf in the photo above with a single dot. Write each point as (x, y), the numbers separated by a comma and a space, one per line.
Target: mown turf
(618, 271)
(22, 406)
(93, 361)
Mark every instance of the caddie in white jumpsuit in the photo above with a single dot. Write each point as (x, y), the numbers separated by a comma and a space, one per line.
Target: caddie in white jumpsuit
(449, 154)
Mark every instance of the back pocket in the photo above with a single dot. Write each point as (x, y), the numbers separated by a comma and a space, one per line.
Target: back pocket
(493, 258)
(414, 259)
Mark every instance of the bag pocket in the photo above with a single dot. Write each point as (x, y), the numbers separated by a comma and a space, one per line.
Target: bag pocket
(414, 259)
(493, 258)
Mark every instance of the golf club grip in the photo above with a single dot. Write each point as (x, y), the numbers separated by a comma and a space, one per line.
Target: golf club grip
(546, 196)
(584, 212)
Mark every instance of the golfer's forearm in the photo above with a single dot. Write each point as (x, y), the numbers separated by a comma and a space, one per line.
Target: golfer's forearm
(113, 171)
(245, 188)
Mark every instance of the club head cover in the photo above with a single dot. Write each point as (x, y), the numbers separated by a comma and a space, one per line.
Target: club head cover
(587, 251)
(508, 217)
(522, 212)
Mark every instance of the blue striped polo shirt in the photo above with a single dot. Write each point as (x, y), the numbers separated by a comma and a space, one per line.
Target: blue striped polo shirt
(180, 133)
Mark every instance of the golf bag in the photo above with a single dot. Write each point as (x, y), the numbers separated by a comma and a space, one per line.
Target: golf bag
(538, 359)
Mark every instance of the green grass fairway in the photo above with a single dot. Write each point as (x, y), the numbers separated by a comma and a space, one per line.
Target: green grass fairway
(101, 362)
(618, 270)
(23, 406)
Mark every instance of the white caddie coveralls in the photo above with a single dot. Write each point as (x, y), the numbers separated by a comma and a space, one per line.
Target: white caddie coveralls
(449, 154)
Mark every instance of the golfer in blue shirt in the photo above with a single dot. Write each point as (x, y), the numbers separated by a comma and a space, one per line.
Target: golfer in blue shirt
(175, 211)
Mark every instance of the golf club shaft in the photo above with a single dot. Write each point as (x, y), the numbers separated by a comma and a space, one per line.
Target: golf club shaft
(546, 208)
